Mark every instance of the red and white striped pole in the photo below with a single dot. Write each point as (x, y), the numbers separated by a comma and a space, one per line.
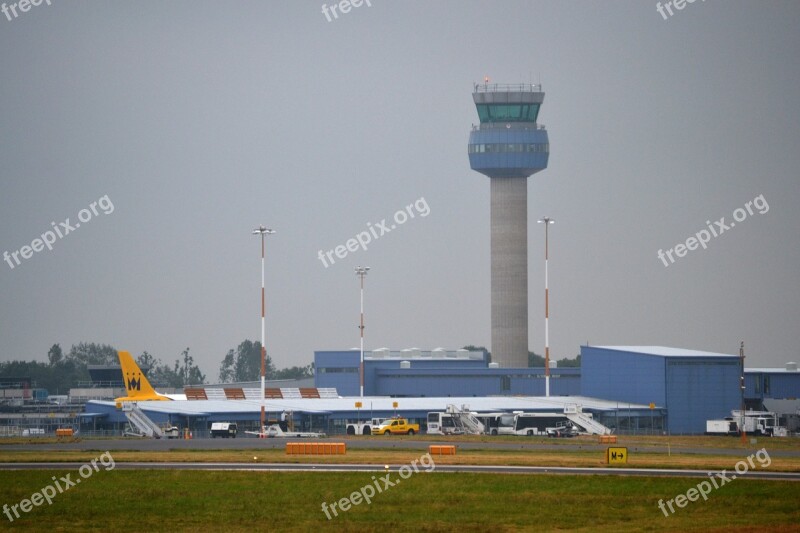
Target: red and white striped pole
(261, 230)
(546, 221)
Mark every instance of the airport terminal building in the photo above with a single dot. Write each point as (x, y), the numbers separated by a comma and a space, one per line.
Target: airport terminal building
(630, 389)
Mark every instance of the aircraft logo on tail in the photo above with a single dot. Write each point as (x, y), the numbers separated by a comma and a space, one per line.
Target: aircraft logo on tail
(133, 383)
(139, 389)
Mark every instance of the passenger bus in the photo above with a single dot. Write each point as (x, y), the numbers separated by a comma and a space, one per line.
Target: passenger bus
(490, 421)
(552, 424)
(444, 423)
(440, 423)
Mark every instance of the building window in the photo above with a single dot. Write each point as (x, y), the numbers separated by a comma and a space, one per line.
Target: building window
(758, 384)
(508, 112)
(337, 370)
(505, 383)
(766, 385)
(508, 148)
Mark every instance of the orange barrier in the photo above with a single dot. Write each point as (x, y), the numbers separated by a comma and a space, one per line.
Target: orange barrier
(608, 439)
(442, 449)
(64, 432)
(316, 448)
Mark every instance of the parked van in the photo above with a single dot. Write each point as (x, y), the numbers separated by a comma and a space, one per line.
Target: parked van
(223, 429)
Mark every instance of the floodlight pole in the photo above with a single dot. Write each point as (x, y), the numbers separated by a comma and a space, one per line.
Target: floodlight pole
(546, 221)
(262, 230)
(361, 272)
(741, 386)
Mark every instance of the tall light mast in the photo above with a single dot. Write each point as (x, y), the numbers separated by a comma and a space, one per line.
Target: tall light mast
(361, 272)
(546, 221)
(263, 231)
(741, 388)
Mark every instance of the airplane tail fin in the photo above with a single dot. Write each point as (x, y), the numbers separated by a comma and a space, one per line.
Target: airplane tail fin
(136, 383)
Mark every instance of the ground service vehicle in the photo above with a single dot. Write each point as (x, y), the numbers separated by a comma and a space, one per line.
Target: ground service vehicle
(490, 421)
(223, 429)
(396, 426)
(568, 430)
(276, 431)
(363, 428)
(443, 424)
(753, 423)
(455, 421)
(534, 424)
(721, 427)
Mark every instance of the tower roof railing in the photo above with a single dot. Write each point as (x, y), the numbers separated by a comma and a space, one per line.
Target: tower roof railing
(508, 125)
(508, 87)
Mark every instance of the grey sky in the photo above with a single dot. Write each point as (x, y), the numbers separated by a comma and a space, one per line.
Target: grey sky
(201, 120)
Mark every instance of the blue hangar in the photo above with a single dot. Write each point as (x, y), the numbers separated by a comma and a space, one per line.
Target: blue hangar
(414, 372)
(691, 386)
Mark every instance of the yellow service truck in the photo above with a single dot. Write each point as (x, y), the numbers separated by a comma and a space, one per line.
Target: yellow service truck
(396, 426)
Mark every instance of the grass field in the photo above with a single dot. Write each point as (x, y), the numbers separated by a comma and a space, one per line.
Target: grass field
(142, 500)
(268, 501)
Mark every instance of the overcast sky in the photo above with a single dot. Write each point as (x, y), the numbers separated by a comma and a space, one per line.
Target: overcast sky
(200, 120)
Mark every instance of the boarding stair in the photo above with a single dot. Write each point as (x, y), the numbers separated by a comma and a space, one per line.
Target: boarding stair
(465, 420)
(585, 421)
(140, 421)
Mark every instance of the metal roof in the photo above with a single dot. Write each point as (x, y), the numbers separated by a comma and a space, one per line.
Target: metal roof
(664, 351)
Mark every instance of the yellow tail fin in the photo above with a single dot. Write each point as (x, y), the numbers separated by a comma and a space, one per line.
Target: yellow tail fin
(136, 383)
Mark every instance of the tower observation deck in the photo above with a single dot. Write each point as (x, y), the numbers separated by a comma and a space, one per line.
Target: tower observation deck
(508, 146)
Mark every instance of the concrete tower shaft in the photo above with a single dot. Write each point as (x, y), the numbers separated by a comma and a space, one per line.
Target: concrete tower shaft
(508, 146)
(509, 252)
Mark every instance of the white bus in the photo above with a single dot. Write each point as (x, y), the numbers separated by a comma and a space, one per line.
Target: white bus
(551, 424)
(490, 421)
(444, 423)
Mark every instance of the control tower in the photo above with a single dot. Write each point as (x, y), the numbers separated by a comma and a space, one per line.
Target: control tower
(508, 146)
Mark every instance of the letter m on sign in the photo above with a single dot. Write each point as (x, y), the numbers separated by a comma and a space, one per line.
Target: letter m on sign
(617, 455)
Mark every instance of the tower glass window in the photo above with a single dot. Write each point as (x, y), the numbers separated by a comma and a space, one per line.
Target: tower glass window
(494, 148)
(508, 112)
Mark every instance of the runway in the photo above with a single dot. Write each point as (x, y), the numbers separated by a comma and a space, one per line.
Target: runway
(393, 468)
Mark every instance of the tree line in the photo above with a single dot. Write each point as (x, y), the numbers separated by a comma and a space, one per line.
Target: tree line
(63, 371)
